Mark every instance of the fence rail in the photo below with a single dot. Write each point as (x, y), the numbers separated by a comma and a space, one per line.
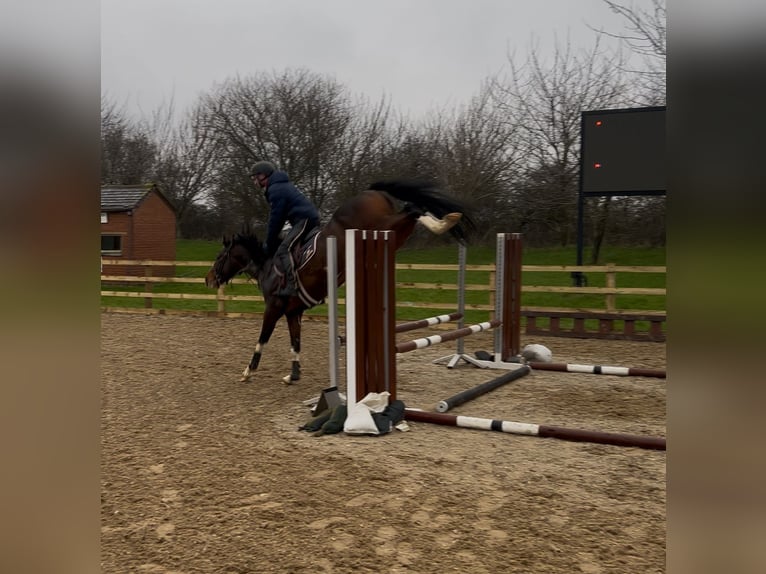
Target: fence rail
(607, 321)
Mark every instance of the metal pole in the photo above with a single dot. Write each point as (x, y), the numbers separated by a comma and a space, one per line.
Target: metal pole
(332, 307)
(461, 261)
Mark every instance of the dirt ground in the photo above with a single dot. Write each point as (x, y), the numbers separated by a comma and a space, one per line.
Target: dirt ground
(201, 473)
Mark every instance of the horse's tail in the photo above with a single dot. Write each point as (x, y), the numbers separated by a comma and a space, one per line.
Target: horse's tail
(426, 196)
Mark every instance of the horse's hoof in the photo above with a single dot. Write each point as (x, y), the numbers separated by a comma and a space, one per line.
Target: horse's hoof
(289, 379)
(439, 226)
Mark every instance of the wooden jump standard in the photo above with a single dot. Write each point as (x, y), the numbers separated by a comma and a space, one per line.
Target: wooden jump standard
(507, 340)
(370, 313)
(370, 290)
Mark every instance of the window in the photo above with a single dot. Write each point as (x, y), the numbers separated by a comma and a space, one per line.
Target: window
(111, 245)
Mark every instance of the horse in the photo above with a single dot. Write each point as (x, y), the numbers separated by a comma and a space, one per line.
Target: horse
(378, 208)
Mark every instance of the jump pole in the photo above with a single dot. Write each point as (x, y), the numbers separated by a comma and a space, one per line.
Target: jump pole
(599, 369)
(419, 324)
(542, 431)
(429, 322)
(482, 389)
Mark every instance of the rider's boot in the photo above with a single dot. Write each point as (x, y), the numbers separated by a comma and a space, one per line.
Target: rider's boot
(290, 288)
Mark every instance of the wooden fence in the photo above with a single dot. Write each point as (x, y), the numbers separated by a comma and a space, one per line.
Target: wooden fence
(607, 321)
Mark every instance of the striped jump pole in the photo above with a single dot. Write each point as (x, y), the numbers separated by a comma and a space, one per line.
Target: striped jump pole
(542, 431)
(429, 322)
(408, 346)
(599, 369)
(419, 324)
(482, 389)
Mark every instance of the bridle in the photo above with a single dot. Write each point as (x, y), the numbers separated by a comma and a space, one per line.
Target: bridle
(218, 265)
(222, 258)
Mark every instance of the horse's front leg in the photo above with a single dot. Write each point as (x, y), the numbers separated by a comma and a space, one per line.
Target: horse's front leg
(270, 317)
(294, 326)
(253, 365)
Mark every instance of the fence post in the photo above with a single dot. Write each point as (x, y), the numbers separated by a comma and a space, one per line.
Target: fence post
(492, 294)
(611, 282)
(148, 287)
(221, 303)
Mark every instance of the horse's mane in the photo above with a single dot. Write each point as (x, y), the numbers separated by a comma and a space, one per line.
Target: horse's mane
(249, 240)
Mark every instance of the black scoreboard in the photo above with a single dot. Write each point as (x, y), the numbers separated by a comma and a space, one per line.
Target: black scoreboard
(623, 152)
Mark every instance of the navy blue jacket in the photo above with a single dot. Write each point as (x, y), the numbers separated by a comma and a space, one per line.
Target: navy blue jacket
(287, 204)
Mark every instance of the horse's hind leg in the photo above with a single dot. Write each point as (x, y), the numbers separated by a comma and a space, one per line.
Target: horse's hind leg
(439, 226)
(430, 221)
(294, 326)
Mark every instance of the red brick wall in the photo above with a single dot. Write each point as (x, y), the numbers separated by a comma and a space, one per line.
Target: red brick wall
(149, 233)
(119, 224)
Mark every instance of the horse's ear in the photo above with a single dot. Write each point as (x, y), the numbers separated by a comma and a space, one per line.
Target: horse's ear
(226, 240)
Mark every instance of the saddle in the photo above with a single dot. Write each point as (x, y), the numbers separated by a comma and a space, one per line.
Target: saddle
(301, 254)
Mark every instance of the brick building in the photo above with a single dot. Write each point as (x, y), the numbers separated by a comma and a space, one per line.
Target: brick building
(137, 222)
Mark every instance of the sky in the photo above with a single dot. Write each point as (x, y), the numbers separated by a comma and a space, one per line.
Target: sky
(421, 55)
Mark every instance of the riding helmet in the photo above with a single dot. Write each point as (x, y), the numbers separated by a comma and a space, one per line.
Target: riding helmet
(263, 167)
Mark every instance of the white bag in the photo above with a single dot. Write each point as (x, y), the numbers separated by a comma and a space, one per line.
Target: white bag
(359, 418)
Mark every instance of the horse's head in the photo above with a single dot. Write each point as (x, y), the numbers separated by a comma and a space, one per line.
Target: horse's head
(240, 253)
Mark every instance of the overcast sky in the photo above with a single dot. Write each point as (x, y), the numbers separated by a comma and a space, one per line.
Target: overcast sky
(421, 54)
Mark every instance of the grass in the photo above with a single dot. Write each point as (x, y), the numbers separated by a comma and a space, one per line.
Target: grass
(199, 250)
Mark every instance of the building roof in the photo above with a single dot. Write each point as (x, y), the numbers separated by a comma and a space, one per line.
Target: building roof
(127, 197)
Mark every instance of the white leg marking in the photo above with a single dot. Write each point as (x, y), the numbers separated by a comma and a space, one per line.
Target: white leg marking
(439, 226)
(288, 379)
(247, 373)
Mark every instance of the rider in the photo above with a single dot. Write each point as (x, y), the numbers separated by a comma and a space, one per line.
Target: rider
(287, 204)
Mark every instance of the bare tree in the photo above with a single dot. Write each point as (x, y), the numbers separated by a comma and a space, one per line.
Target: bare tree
(544, 102)
(478, 157)
(359, 153)
(185, 159)
(331, 144)
(293, 119)
(127, 148)
(645, 36)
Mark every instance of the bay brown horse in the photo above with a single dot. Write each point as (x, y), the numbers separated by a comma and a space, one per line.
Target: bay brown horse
(375, 209)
